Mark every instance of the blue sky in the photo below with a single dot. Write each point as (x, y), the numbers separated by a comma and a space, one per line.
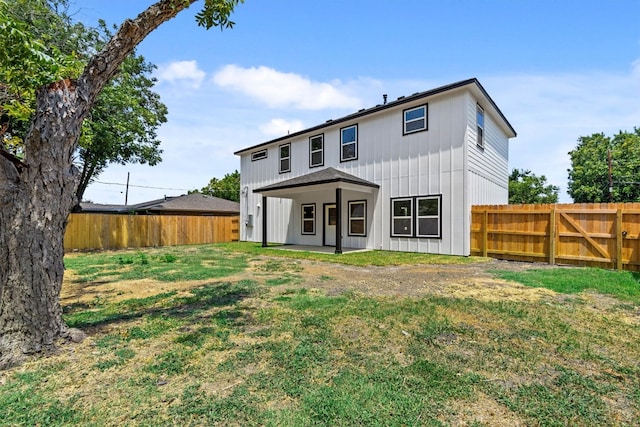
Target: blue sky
(557, 70)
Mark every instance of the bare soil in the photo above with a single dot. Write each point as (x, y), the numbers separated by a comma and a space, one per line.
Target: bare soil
(476, 279)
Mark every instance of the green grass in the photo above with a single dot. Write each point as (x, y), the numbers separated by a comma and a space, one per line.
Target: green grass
(246, 352)
(166, 264)
(377, 258)
(623, 285)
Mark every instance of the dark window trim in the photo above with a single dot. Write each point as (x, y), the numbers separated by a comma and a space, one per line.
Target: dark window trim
(302, 219)
(392, 217)
(311, 165)
(349, 233)
(415, 226)
(414, 216)
(266, 154)
(356, 143)
(280, 158)
(479, 133)
(426, 119)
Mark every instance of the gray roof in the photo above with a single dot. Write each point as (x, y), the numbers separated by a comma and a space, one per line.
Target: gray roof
(195, 202)
(324, 176)
(473, 83)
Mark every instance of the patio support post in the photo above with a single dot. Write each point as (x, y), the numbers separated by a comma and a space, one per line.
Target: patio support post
(338, 220)
(264, 221)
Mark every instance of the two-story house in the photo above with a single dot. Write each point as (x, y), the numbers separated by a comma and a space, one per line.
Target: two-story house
(400, 176)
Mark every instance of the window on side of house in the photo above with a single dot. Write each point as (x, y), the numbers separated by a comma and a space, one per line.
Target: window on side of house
(358, 218)
(480, 126)
(349, 143)
(415, 119)
(402, 217)
(316, 151)
(285, 158)
(428, 214)
(259, 155)
(309, 218)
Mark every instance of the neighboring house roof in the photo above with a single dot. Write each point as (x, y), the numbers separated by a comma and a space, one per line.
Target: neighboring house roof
(324, 176)
(195, 203)
(473, 84)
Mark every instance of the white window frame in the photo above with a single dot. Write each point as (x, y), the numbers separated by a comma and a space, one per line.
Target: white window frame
(311, 220)
(408, 216)
(480, 126)
(320, 150)
(288, 158)
(259, 155)
(406, 122)
(362, 218)
(354, 143)
(437, 216)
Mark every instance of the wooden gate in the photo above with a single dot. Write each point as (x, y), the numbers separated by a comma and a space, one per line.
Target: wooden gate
(604, 235)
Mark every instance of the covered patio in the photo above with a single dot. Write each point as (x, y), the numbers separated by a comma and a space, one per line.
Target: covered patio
(316, 249)
(327, 180)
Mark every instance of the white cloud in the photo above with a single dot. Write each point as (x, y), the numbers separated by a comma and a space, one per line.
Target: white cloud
(277, 89)
(183, 72)
(551, 111)
(280, 127)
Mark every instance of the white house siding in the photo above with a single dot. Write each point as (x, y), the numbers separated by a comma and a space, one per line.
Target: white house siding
(488, 166)
(279, 210)
(443, 160)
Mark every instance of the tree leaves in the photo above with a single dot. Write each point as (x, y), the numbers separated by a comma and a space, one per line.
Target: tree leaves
(525, 188)
(589, 173)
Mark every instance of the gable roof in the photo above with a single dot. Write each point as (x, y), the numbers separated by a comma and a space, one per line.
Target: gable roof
(324, 176)
(188, 203)
(473, 84)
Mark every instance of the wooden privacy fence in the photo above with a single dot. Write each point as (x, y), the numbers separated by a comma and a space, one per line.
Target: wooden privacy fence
(603, 235)
(105, 231)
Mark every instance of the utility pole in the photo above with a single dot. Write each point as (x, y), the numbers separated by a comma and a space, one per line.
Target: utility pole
(610, 177)
(126, 193)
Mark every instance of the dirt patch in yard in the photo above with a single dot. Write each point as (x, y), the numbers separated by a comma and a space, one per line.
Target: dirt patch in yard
(477, 280)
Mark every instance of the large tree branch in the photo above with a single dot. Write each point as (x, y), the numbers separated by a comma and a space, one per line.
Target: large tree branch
(104, 65)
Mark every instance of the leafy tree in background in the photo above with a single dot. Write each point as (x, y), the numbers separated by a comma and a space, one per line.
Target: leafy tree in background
(38, 189)
(225, 188)
(526, 188)
(589, 173)
(121, 127)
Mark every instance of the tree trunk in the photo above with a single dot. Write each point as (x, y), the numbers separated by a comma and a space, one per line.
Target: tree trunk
(32, 224)
(37, 196)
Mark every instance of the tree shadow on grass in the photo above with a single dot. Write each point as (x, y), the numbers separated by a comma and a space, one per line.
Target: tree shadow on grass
(217, 294)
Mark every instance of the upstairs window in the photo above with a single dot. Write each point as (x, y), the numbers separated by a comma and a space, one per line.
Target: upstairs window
(309, 218)
(316, 151)
(415, 119)
(285, 158)
(258, 155)
(402, 217)
(480, 126)
(349, 143)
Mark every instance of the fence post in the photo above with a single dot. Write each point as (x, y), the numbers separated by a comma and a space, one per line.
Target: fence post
(485, 233)
(552, 236)
(619, 239)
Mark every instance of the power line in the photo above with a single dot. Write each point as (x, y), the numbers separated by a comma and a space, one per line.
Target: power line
(143, 186)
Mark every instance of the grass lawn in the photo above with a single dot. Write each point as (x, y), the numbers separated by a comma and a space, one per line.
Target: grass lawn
(222, 335)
